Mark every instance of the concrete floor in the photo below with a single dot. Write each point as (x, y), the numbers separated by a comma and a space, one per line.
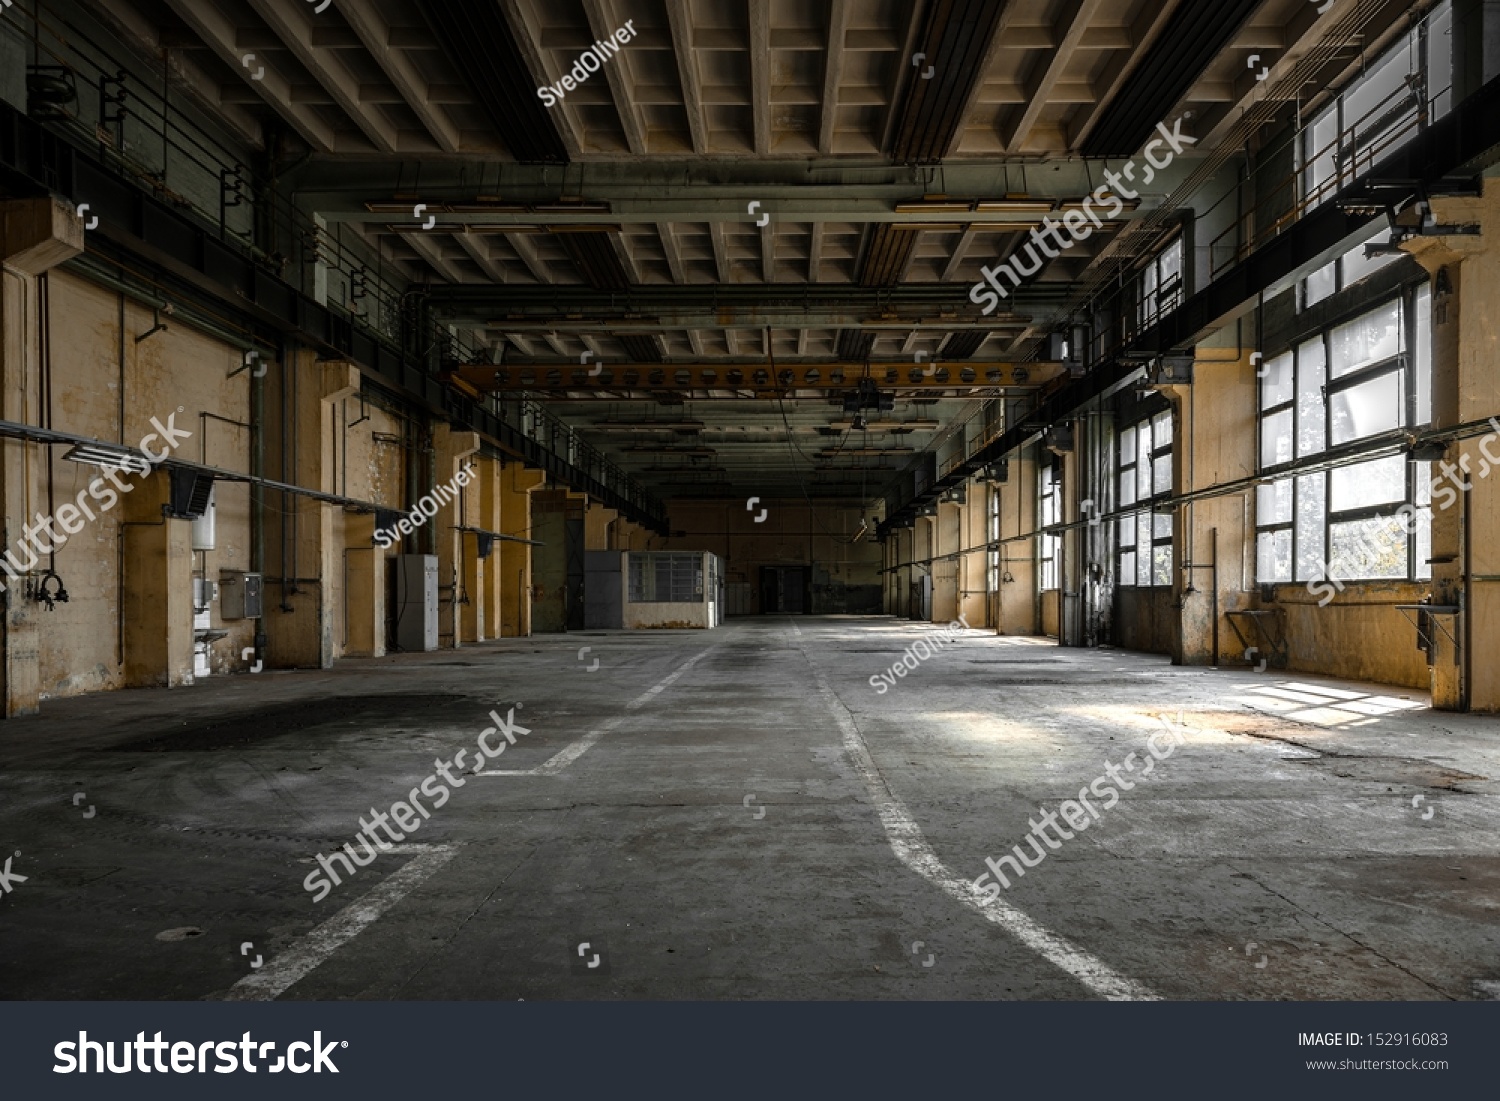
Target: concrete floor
(765, 825)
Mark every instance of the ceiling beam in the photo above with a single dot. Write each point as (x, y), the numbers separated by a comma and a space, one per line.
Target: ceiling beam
(474, 245)
(568, 375)
(602, 24)
(687, 73)
(1143, 33)
(413, 270)
(670, 250)
(519, 14)
(904, 71)
(524, 245)
(428, 249)
(292, 23)
(205, 88)
(815, 253)
(375, 34)
(833, 71)
(960, 251)
(627, 261)
(760, 73)
(721, 251)
(728, 318)
(644, 211)
(1000, 40)
(218, 33)
(1069, 32)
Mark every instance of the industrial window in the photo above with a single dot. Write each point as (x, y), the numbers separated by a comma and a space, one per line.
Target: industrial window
(1408, 86)
(666, 578)
(1344, 271)
(992, 536)
(1159, 288)
(1049, 512)
(1144, 479)
(1364, 379)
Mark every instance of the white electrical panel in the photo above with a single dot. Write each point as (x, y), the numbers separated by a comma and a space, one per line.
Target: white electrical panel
(417, 602)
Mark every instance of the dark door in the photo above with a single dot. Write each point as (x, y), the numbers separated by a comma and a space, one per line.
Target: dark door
(601, 595)
(792, 586)
(782, 590)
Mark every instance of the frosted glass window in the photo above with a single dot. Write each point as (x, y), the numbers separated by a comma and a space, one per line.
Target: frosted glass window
(1273, 556)
(1358, 381)
(1373, 548)
(1312, 373)
(1367, 485)
(1274, 503)
(1440, 61)
(1143, 466)
(1320, 284)
(1312, 518)
(1161, 566)
(1369, 339)
(1319, 153)
(1357, 266)
(1276, 439)
(1367, 409)
(1143, 548)
(1277, 385)
(1161, 431)
(1161, 474)
(1379, 92)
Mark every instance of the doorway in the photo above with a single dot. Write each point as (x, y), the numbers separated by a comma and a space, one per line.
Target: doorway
(783, 590)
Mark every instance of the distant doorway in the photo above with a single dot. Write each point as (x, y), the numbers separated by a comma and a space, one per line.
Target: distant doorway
(783, 590)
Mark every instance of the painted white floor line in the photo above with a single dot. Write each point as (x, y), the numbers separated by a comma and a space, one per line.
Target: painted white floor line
(270, 981)
(912, 849)
(565, 757)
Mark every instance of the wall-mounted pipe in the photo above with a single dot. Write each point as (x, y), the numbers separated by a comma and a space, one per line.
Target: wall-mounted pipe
(258, 492)
(183, 315)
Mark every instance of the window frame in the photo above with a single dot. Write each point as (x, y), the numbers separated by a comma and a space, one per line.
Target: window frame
(1144, 575)
(1338, 269)
(992, 536)
(1359, 145)
(1049, 512)
(1154, 295)
(645, 577)
(1411, 365)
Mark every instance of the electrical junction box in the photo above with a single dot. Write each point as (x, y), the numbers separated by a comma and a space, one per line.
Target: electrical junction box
(1173, 371)
(239, 595)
